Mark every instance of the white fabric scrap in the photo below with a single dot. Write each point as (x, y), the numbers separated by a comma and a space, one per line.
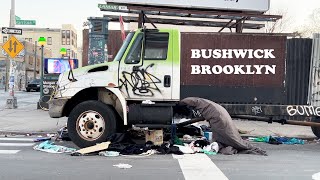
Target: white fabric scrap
(123, 166)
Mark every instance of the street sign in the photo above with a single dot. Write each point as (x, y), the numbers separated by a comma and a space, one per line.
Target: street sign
(112, 7)
(25, 22)
(6, 30)
(13, 47)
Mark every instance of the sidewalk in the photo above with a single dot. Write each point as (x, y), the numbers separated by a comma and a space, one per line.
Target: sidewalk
(27, 118)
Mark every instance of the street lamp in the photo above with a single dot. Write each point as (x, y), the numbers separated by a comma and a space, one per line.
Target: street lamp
(41, 41)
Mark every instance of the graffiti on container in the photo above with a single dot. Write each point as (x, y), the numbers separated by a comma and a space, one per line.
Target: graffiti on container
(303, 110)
(141, 82)
(256, 110)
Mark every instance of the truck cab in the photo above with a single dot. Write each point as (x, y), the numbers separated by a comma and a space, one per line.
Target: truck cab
(139, 87)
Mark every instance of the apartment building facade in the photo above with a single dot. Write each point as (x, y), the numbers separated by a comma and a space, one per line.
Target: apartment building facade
(66, 37)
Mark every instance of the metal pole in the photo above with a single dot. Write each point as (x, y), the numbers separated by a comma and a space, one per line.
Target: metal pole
(11, 24)
(41, 81)
(35, 61)
(11, 102)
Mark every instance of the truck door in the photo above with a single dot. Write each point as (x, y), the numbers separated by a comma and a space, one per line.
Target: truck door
(149, 77)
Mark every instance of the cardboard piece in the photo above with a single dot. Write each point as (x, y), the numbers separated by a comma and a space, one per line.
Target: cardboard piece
(95, 148)
(156, 136)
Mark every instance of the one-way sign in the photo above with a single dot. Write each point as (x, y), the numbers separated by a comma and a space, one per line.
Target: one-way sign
(6, 30)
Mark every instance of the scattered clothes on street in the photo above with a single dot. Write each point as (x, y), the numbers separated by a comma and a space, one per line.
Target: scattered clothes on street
(224, 132)
(50, 147)
(277, 140)
(122, 143)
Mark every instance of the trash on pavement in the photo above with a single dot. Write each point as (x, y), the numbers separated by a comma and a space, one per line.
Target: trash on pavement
(109, 153)
(91, 149)
(156, 136)
(63, 134)
(214, 147)
(50, 147)
(123, 166)
(277, 140)
(208, 135)
(42, 139)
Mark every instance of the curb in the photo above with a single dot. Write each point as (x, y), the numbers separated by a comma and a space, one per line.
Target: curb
(25, 133)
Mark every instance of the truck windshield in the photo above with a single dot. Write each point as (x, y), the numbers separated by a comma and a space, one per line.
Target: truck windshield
(124, 47)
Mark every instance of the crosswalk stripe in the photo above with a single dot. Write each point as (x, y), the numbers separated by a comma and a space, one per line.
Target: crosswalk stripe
(17, 144)
(9, 151)
(199, 166)
(17, 139)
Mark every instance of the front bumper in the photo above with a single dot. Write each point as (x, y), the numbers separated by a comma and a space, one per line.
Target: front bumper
(56, 107)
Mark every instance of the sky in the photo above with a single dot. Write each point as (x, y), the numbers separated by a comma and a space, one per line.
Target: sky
(53, 13)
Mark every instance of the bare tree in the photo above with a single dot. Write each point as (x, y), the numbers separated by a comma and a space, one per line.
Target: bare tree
(279, 26)
(312, 25)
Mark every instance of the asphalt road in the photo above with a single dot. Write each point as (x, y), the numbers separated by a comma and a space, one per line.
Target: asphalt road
(284, 162)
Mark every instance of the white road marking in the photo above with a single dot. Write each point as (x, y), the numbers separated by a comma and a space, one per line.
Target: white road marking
(316, 176)
(9, 151)
(199, 166)
(17, 139)
(17, 144)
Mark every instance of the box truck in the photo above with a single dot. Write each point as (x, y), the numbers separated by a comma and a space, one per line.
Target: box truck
(155, 68)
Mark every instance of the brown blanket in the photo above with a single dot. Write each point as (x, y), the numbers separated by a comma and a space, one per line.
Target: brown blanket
(223, 129)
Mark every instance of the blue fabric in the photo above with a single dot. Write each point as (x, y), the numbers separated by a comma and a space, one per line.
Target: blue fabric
(50, 147)
(279, 140)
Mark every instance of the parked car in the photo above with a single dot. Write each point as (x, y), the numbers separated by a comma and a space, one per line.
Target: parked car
(33, 85)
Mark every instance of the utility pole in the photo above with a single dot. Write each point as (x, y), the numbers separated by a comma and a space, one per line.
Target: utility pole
(35, 61)
(11, 24)
(11, 100)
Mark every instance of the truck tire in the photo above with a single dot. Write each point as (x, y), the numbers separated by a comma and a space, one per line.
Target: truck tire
(316, 130)
(91, 122)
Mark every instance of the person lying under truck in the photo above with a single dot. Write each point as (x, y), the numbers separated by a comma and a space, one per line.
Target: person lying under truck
(224, 132)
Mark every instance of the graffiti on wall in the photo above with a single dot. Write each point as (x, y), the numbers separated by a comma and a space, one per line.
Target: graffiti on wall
(18, 69)
(303, 111)
(140, 82)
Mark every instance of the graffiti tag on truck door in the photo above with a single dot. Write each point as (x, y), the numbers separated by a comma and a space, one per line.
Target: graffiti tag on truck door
(141, 82)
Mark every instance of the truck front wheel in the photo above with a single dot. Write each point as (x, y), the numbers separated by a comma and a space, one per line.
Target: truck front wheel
(91, 122)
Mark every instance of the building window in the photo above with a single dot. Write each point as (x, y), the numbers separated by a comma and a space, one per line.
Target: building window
(49, 41)
(68, 37)
(38, 62)
(5, 39)
(63, 35)
(28, 39)
(30, 60)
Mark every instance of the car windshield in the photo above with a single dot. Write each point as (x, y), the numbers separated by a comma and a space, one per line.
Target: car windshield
(124, 47)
